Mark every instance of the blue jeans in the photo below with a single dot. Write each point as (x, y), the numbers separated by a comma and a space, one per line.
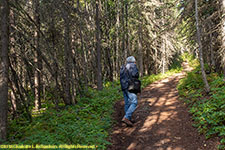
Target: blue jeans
(131, 102)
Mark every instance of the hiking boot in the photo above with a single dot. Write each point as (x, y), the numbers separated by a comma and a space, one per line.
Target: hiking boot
(128, 122)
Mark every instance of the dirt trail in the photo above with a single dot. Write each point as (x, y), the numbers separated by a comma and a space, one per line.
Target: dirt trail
(162, 121)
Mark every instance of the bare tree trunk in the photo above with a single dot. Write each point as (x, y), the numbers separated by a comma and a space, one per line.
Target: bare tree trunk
(4, 69)
(139, 39)
(223, 36)
(124, 50)
(98, 46)
(84, 61)
(114, 59)
(117, 37)
(13, 101)
(147, 61)
(37, 60)
(165, 52)
(68, 54)
(140, 51)
(212, 57)
(110, 65)
(127, 30)
(164, 41)
(200, 49)
(163, 55)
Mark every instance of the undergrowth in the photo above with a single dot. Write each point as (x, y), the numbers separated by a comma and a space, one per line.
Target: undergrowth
(87, 123)
(208, 110)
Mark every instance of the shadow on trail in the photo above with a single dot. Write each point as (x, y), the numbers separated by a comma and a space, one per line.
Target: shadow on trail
(162, 122)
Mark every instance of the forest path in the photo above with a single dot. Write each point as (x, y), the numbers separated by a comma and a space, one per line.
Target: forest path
(162, 121)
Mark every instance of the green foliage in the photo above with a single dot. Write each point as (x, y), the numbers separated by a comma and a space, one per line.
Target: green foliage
(86, 123)
(191, 86)
(177, 62)
(192, 61)
(208, 111)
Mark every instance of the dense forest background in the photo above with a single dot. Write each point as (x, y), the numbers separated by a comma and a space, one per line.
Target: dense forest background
(54, 51)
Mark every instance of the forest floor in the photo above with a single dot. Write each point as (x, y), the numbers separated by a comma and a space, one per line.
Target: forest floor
(162, 121)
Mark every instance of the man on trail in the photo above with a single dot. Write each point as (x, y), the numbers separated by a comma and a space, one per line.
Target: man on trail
(127, 72)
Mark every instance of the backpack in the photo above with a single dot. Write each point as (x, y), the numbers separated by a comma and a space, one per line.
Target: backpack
(133, 85)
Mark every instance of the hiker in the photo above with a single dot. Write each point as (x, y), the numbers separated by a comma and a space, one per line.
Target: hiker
(127, 72)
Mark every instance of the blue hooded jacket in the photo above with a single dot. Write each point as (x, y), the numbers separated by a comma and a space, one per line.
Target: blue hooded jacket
(132, 72)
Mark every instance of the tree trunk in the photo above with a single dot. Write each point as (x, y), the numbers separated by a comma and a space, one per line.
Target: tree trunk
(68, 54)
(165, 51)
(4, 69)
(163, 55)
(139, 44)
(212, 57)
(207, 88)
(13, 101)
(98, 47)
(124, 50)
(12, 94)
(140, 52)
(84, 60)
(117, 38)
(223, 36)
(37, 59)
(127, 30)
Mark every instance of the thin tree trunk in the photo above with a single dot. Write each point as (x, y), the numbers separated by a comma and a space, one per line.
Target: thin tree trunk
(127, 34)
(124, 50)
(223, 36)
(147, 61)
(84, 61)
(37, 60)
(114, 59)
(140, 52)
(13, 99)
(163, 55)
(164, 12)
(207, 88)
(212, 57)
(68, 54)
(98, 47)
(4, 69)
(117, 37)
